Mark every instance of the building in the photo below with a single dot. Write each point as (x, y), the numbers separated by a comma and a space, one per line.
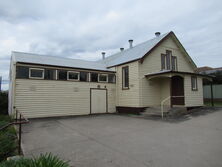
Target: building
(146, 75)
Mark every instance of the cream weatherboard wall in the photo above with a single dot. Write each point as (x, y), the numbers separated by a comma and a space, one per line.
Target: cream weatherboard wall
(44, 98)
(152, 92)
(128, 97)
(193, 98)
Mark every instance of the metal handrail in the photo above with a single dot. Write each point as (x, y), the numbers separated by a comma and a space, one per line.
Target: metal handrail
(20, 121)
(164, 100)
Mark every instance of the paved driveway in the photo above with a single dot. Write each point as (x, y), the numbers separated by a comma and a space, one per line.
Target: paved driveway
(114, 140)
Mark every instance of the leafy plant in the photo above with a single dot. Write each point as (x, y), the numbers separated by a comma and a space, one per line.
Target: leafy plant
(3, 102)
(44, 160)
(7, 139)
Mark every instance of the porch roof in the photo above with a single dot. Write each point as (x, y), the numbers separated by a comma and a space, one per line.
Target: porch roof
(176, 72)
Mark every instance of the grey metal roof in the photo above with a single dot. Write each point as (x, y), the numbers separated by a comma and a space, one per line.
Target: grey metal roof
(57, 61)
(134, 53)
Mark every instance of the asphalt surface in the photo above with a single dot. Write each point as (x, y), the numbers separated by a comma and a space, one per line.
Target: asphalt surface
(193, 140)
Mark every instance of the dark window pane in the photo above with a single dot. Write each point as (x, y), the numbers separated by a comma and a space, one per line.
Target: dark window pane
(73, 75)
(62, 75)
(50, 74)
(163, 61)
(36, 73)
(194, 83)
(84, 76)
(111, 78)
(22, 72)
(174, 63)
(168, 55)
(94, 77)
(126, 77)
(103, 78)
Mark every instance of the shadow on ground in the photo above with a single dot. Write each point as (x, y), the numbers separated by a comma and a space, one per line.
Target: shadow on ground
(196, 112)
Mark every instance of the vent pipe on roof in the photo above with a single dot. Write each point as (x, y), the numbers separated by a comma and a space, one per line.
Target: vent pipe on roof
(121, 49)
(103, 55)
(130, 43)
(157, 34)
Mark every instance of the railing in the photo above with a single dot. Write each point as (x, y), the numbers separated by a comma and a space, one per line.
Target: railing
(164, 100)
(19, 120)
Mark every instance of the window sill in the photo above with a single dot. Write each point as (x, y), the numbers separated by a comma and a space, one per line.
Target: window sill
(194, 89)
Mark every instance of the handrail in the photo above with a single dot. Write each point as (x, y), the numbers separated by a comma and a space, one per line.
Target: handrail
(22, 120)
(164, 100)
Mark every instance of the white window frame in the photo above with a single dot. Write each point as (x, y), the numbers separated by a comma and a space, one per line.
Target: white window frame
(41, 69)
(106, 78)
(195, 88)
(73, 72)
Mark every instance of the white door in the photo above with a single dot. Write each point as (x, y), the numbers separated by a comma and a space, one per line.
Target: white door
(98, 101)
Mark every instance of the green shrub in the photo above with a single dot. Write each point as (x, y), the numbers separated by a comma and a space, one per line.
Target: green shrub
(7, 138)
(22, 162)
(4, 102)
(46, 160)
(7, 143)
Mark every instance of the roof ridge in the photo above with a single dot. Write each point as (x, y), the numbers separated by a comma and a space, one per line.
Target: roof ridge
(129, 49)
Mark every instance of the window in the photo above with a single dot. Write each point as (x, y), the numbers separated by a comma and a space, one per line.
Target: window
(168, 62)
(94, 77)
(50, 74)
(194, 83)
(163, 61)
(36, 73)
(84, 76)
(174, 63)
(111, 78)
(62, 75)
(125, 77)
(72, 75)
(22, 72)
(103, 78)
(168, 55)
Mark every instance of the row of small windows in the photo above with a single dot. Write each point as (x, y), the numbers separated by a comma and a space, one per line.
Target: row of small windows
(23, 72)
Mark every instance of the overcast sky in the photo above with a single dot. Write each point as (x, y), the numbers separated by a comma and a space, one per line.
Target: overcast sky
(82, 29)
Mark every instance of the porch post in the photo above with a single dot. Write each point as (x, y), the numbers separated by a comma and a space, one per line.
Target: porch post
(212, 97)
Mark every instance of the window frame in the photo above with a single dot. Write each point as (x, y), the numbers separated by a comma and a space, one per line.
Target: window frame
(174, 59)
(168, 60)
(194, 78)
(123, 78)
(68, 79)
(106, 77)
(41, 69)
(163, 61)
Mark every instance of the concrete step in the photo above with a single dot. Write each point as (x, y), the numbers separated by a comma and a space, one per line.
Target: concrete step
(168, 111)
(177, 110)
(156, 111)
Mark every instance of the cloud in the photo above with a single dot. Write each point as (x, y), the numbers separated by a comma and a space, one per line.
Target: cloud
(82, 29)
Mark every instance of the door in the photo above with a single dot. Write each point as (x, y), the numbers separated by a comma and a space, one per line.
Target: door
(177, 89)
(98, 101)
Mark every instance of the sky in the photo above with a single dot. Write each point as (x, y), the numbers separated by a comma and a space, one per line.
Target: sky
(83, 29)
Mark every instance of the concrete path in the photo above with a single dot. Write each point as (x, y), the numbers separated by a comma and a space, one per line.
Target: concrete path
(124, 141)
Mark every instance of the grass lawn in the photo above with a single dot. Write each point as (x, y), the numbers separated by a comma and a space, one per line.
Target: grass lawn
(216, 103)
(8, 139)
